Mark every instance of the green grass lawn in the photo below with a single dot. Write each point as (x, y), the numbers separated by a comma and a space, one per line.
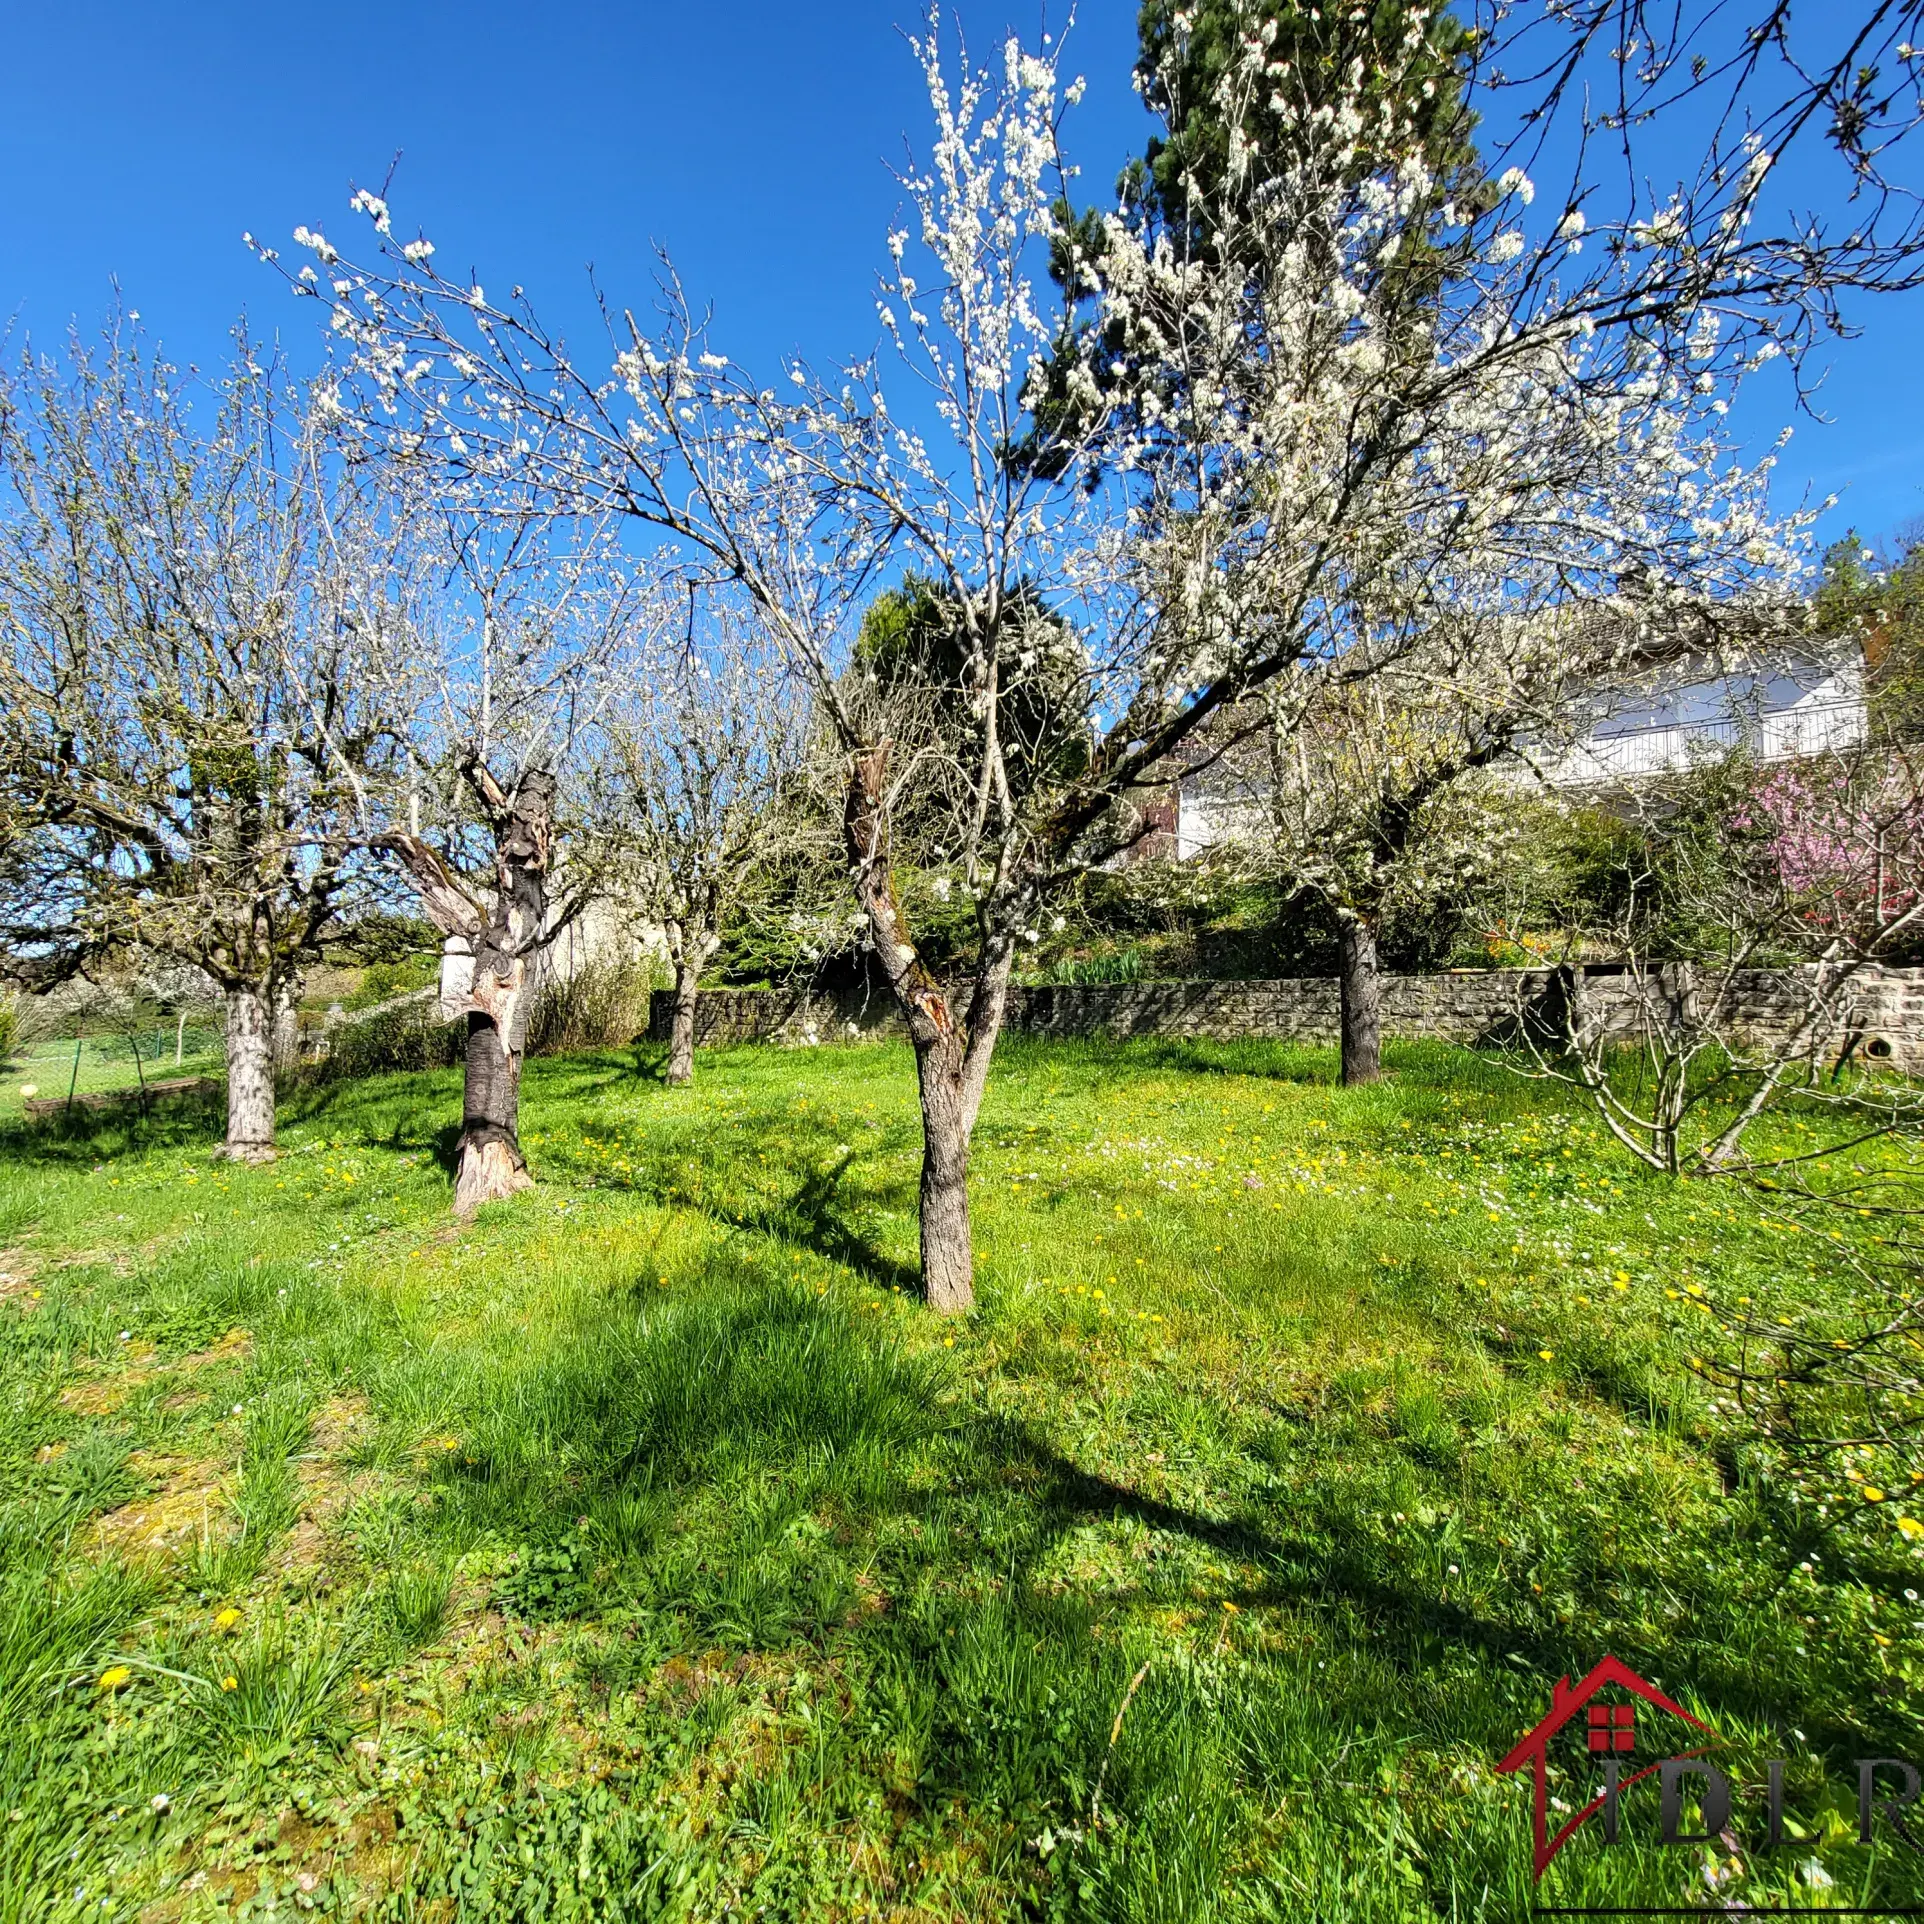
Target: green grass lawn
(644, 1550)
(98, 1063)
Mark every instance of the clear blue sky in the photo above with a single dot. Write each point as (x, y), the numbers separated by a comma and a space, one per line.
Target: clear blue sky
(139, 140)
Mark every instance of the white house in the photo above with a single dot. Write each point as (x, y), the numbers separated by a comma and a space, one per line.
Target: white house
(1689, 710)
(1685, 708)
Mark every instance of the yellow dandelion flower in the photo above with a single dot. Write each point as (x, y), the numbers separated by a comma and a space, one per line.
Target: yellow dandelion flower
(230, 1683)
(113, 1677)
(226, 1619)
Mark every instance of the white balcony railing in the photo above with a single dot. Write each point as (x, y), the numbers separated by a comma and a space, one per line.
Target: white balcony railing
(1666, 748)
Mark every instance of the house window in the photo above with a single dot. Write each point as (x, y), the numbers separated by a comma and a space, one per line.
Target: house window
(1613, 1726)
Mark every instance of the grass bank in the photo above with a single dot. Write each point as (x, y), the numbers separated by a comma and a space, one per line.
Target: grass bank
(643, 1550)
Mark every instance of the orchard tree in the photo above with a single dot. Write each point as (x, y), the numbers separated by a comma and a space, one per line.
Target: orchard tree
(1371, 803)
(182, 599)
(517, 628)
(709, 743)
(1392, 791)
(799, 497)
(1301, 434)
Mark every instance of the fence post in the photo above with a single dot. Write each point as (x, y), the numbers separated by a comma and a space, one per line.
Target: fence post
(73, 1081)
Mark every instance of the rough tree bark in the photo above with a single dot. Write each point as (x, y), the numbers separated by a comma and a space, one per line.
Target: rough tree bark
(503, 930)
(287, 1028)
(692, 943)
(1361, 988)
(489, 1165)
(951, 1057)
(250, 1079)
(948, 1122)
(681, 1035)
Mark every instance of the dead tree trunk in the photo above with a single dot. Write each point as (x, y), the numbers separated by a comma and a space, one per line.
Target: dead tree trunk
(681, 1034)
(489, 1164)
(1361, 988)
(505, 927)
(250, 1079)
(951, 1057)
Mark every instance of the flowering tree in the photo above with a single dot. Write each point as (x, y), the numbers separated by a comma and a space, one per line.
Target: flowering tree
(1715, 903)
(708, 743)
(799, 499)
(1846, 839)
(1293, 453)
(1375, 793)
(181, 592)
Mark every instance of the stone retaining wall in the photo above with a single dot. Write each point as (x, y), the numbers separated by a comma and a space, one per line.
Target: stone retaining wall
(1467, 1005)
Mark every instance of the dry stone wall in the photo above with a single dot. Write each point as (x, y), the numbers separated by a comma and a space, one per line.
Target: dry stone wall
(1466, 1005)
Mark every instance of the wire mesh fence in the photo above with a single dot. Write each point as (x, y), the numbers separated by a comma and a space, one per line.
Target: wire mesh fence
(83, 1065)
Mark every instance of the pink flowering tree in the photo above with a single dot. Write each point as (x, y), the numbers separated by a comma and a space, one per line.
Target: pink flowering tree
(1846, 839)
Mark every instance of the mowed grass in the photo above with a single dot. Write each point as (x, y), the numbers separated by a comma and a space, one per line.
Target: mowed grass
(643, 1549)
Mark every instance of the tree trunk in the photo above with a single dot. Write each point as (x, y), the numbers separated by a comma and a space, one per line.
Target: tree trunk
(951, 1058)
(681, 1036)
(948, 1255)
(287, 1028)
(489, 1165)
(250, 1079)
(503, 928)
(1362, 997)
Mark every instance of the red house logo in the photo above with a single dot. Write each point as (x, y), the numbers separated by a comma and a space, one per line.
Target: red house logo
(1610, 1734)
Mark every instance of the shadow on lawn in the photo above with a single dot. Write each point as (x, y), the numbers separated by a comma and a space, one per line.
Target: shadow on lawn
(812, 1217)
(1271, 1062)
(793, 1457)
(818, 1214)
(192, 1124)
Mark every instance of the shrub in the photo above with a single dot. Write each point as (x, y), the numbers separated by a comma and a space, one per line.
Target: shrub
(601, 1006)
(413, 1037)
(9, 1024)
(386, 979)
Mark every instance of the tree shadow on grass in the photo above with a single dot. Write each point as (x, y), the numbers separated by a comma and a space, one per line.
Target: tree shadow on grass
(745, 1415)
(813, 1218)
(817, 1214)
(444, 1146)
(1271, 1062)
(190, 1124)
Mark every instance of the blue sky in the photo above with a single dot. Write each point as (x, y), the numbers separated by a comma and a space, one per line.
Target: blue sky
(139, 141)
